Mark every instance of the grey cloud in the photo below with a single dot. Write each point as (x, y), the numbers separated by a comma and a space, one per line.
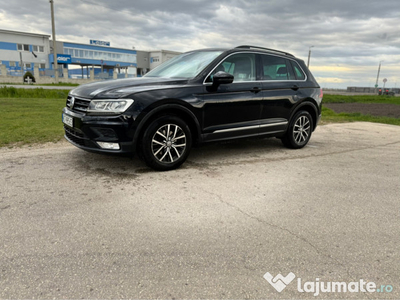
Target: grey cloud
(351, 33)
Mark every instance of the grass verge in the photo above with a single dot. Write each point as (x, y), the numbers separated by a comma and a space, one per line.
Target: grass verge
(30, 115)
(26, 121)
(361, 99)
(12, 92)
(44, 84)
(329, 116)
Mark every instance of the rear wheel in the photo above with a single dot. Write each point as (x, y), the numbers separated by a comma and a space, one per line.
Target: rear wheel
(299, 131)
(166, 143)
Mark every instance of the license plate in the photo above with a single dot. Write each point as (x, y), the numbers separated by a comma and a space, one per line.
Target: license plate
(67, 120)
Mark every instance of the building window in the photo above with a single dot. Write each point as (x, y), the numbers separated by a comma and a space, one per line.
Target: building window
(37, 48)
(42, 66)
(22, 47)
(28, 65)
(100, 55)
(12, 63)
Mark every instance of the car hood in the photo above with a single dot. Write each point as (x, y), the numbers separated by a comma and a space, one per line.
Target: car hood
(122, 87)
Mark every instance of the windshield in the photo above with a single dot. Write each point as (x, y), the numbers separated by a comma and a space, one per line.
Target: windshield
(187, 65)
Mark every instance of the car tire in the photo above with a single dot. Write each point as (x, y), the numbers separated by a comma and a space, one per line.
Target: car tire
(299, 132)
(166, 143)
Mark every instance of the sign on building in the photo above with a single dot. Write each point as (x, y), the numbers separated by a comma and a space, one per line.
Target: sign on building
(100, 43)
(63, 58)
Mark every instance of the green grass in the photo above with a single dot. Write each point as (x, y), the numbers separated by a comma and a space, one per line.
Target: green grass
(44, 84)
(329, 116)
(361, 99)
(26, 121)
(11, 92)
(59, 84)
(30, 116)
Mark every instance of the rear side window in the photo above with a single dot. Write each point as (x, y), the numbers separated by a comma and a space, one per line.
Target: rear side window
(298, 71)
(276, 68)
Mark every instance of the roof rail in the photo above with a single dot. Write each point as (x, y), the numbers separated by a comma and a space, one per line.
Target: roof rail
(268, 49)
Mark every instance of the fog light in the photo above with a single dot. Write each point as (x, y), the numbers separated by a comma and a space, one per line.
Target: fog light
(111, 146)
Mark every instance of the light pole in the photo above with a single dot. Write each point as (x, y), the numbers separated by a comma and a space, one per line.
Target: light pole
(53, 28)
(309, 55)
(377, 77)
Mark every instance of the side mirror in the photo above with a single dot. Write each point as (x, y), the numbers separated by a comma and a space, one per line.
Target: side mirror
(222, 77)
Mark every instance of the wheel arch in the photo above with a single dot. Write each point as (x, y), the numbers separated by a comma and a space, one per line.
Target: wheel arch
(309, 106)
(168, 109)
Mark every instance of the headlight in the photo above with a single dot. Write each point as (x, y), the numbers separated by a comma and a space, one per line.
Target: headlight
(109, 105)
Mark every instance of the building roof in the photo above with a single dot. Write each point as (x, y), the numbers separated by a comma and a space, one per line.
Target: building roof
(24, 33)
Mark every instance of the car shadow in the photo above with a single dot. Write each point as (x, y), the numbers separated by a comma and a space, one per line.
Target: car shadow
(200, 156)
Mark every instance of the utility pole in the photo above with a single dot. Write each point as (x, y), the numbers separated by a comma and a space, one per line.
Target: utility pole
(309, 55)
(53, 27)
(377, 77)
(22, 66)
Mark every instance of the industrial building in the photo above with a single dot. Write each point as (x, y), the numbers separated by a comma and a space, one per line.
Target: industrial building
(33, 52)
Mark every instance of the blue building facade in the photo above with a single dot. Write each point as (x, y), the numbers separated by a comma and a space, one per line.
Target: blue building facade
(22, 51)
(102, 59)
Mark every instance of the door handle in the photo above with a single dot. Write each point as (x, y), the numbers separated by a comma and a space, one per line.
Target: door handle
(295, 88)
(255, 89)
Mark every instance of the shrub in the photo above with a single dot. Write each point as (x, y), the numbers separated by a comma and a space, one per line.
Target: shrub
(30, 76)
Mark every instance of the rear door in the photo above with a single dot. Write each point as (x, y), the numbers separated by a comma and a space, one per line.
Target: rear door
(279, 92)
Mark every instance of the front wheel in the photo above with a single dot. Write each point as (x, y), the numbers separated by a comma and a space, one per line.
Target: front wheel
(166, 143)
(299, 131)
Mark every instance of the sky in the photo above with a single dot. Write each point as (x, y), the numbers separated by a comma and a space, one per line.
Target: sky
(349, 37)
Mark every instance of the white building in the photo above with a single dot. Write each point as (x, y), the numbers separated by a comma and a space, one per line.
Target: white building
(29, 49)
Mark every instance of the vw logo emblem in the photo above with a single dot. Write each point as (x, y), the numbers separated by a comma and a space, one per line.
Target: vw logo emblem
(71, 102)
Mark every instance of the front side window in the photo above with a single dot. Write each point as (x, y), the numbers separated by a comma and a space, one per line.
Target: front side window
(242, 66)
(276, 68)
(186, 65)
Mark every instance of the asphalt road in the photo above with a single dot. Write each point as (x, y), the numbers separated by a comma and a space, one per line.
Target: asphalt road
(82, 225)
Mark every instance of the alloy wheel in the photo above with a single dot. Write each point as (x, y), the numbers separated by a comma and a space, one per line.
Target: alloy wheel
(301, 130)
(168, 143)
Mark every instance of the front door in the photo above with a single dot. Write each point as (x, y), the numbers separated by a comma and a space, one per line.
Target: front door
(233, 110)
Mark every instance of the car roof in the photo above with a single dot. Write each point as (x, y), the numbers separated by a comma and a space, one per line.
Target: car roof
(248, 47)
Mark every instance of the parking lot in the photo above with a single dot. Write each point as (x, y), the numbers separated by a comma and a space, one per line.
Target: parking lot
(83, 225)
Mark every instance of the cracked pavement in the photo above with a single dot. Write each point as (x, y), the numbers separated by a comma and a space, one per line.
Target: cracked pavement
(83, 225)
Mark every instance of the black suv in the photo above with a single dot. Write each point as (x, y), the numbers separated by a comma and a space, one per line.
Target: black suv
(198, 96)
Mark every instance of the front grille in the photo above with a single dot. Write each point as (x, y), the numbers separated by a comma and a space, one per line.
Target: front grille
(75, 136)
(78, 104)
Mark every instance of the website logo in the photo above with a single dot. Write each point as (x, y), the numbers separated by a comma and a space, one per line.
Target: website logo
(279, 282)
(316, 287)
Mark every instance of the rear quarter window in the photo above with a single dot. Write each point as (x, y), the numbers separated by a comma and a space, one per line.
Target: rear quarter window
(298, 71)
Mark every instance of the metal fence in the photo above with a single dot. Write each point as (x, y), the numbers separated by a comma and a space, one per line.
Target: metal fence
(72, 73)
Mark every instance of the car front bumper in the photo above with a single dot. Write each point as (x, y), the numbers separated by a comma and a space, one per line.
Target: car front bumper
(85, 131)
